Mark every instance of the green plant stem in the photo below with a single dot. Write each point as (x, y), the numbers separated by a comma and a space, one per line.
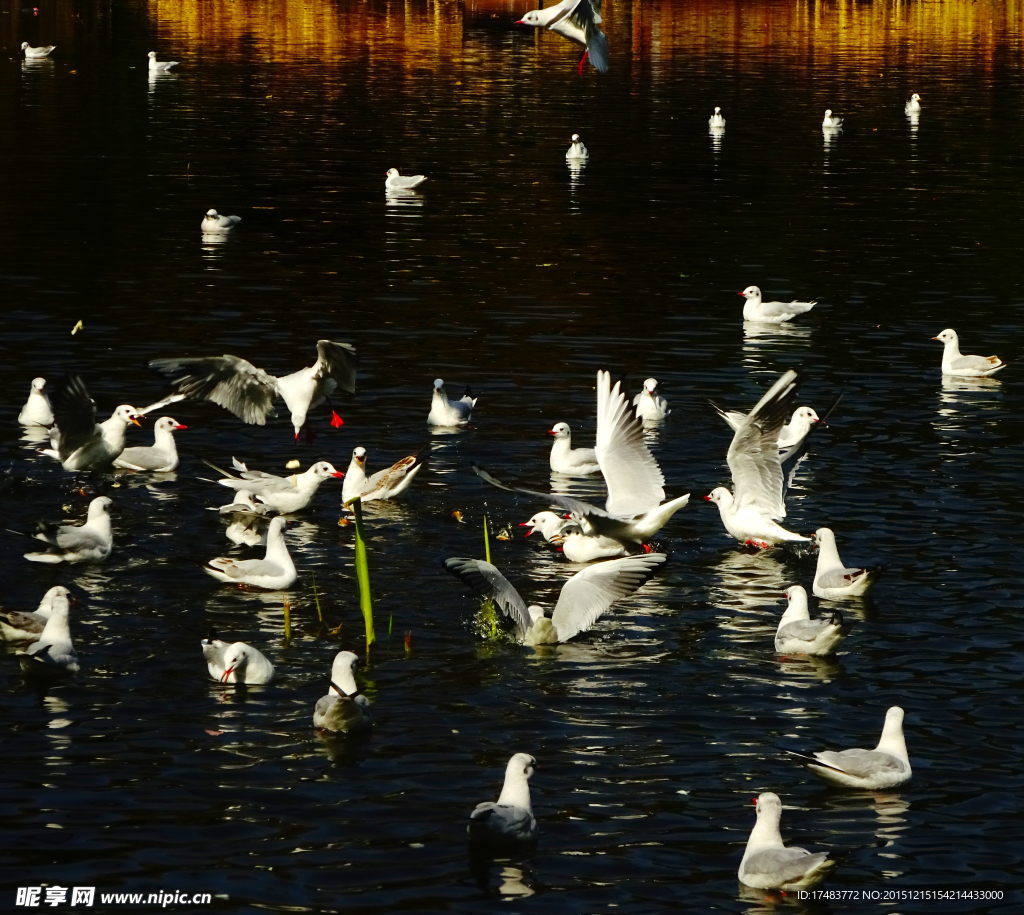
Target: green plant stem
(363, 574)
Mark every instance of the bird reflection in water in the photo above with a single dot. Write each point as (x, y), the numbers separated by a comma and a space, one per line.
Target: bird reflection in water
(717, 135)
(500, 876)
(576, 168)
(761, 342)
(770, 902)
(402, 197)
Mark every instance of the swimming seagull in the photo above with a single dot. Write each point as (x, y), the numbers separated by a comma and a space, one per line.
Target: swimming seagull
(510, 820)
(160, 66)
(577, 151)
(445, 412)
(751, 510)
(343, 708)
(886, 766)
(389, 483)
(22, 626)
(830, 122)
(79, 442)
(91, 542)
(548, 524)
(568, 536)
(236, 662)
(566, 459)
(578, 21)
(274, 572)
(953, 363)
(161, 456)
(285, 494)
(650, 406)
(717, 120)
(581, 602)
(37, 410)
(215, 224)
(395, 182)
(53, 655)
(832, 580)
(767, 864)
(37, 53)
(913, 107)
(759, 312)
(249, 392)
(799, 634)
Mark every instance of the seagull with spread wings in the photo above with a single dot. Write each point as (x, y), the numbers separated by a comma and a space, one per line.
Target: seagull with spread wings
(577, 20)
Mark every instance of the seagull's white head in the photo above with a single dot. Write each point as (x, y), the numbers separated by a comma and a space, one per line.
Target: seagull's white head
(797, 597)
(235, 660)
(559, 431)
(276, 527)
(824, 535)
(575, 138)
(546, 522)
(359, 455)
(166, 424)
(915, 97)
(24, 45)
(38, 384)
(752, 293)
(392, 172)
(128, 414)
(720, 495)
(212, 213)
(806, 414)
(343, 673)
(521, 765)
(325, 469)
(439, 385)
(152, 55)
(99, 506)
(651, 385)
(768, 804)
(718, 110)
(828, 112)
(947, 336)
(531, 18)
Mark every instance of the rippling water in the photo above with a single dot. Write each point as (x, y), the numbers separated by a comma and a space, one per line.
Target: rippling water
(521, 278)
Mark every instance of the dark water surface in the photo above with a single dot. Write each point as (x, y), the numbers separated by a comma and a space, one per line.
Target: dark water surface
(511, 274)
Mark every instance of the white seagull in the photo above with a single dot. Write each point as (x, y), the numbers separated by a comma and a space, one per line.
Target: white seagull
(548, 524)
(792, 435)
(578, 21)
(37, 53)
(750, 511)
(53, 655)
(275, 572)
(236, 662)
(249, 392)
(832, 580)
(650, 406)
(717, 120)
(445, 412)
(389, 483)
(215, 224)
(79, 442)
(37, 410)
(953, 363)
(581, 602)
(913, 106)
(566, 459)
(160, 66)
(569, 537)
(799, 634)
(343, 708)
(767, 864)
(886, 766)
(161, 456)
(395, 181)
(758, 312)
(24, 626)
(92, 542)
(510, 820)
(285, 494)
(830, 122)
(577, 152)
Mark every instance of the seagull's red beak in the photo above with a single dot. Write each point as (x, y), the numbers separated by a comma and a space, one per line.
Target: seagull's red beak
(551, 431)
(739, 293)
(227, 673)
(707, 498)
(755, 801)
(935, 338)
(519, 22)
(179, 427)
(338, 474)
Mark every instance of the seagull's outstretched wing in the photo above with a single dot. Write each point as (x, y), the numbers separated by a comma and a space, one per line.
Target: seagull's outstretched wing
(587, 18)
(338, 361)
(589, 593)
(75, 415)
(228, 381)
(487, 581)
(635, 482)
(753, 457)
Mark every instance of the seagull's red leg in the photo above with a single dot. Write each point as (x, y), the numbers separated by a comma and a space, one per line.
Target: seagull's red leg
(583, 60)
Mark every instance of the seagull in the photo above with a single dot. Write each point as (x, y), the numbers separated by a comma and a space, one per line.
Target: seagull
(445, 412)
(717, 119)
(582, 600)
(965, 366)
(274, 572)
(236, 662)
(343, 708)
(161, 456)
(18, 626)
(548, 524)
(569, 537)
(650, 406)
(79, 442)
(160, 66)
(37, 410)
(566, 459)
(792, 435)
(578, 21)
(285, 494)
(577, 152)
(749, 512)
(913, 106)
(215, 224)
(832, 579)
(767, 864)
(760, 312)
(633, 511)
(52, 655)
(799, 634)
(249, 392)
(248, 516)
(384, 484)
(830, 122)
(510, 820)
(886, 766)
(395, 182)
(37, 53)
(92, 542)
